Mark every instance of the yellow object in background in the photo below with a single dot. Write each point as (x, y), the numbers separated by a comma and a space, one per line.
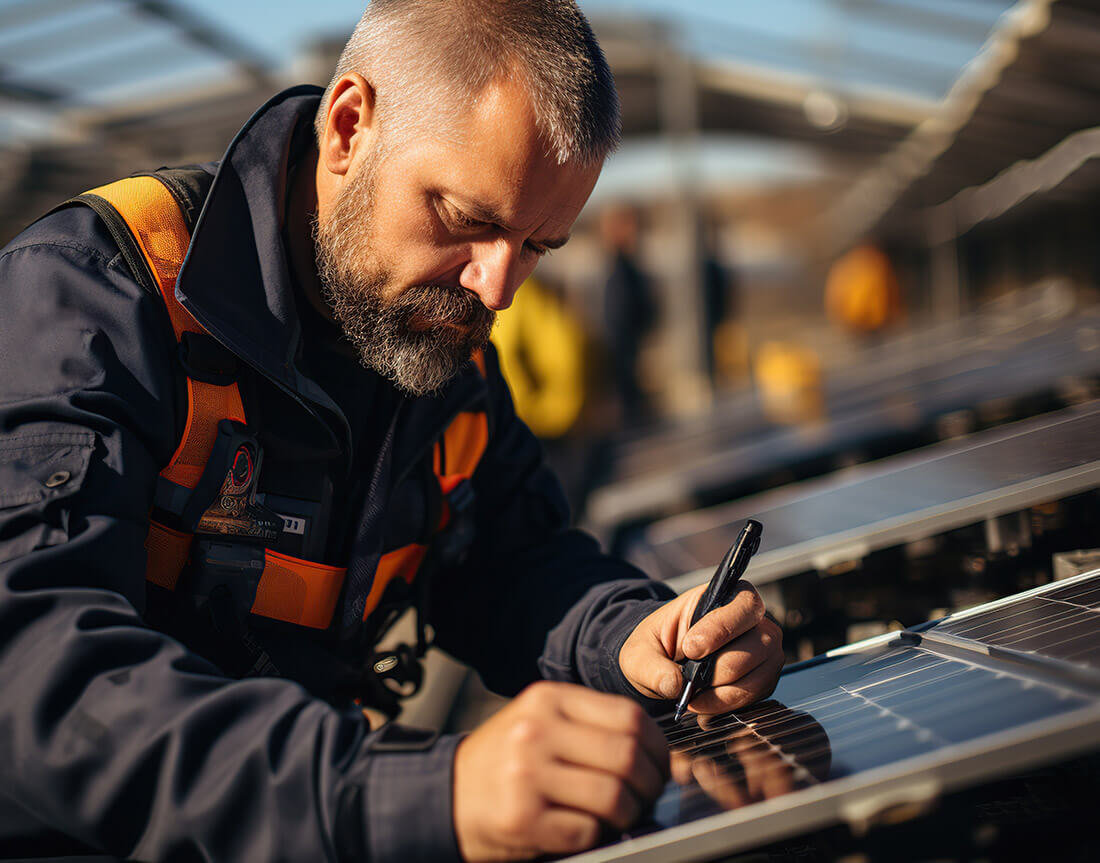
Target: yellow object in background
(541, 351)
(861, 290)
(789, 381)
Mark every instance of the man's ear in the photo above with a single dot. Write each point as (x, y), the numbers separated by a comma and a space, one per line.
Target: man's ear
(350, 123)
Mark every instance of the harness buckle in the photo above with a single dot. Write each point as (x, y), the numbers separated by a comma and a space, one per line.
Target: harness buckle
(389, 676)
(205, 359)
(223, 501)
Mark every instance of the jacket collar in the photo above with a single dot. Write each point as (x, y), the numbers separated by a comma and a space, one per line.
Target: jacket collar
(236, 278)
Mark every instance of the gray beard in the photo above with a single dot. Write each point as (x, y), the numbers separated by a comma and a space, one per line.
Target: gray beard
(420, 338)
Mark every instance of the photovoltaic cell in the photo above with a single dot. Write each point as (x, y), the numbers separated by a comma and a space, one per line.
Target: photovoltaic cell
(1062, 623)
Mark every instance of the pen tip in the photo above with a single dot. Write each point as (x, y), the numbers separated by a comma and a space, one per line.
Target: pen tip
(685, 697)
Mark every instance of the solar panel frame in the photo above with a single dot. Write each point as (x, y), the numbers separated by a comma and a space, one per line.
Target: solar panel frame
(859, 797)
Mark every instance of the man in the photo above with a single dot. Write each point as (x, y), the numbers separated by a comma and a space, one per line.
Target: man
(339, 279)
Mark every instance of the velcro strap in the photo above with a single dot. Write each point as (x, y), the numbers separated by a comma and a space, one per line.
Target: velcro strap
(298, 591)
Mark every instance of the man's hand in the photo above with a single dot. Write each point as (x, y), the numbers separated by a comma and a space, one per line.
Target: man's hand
(749, 646)
(548, 771)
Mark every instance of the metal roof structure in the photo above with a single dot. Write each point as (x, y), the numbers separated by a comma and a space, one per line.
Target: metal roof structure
(66, 53)
(854, 92)
(1013, 127)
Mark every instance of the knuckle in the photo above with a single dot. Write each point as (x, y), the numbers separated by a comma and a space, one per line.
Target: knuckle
(526, 731)
(730, 666)
(757, 606)
(537, 696)
(519, 772)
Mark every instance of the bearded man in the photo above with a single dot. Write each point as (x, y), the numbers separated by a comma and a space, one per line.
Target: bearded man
(230, 461)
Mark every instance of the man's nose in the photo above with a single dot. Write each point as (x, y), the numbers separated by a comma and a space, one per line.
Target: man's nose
(494, 273)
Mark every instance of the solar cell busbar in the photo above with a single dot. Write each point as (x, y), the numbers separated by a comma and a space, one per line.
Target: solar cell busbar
(892, 722)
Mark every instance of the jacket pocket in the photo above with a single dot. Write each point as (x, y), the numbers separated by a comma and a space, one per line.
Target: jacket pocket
(39, 471)
(37, 467)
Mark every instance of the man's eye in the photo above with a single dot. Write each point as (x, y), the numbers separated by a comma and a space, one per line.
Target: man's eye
(461, 220)
(537, 251)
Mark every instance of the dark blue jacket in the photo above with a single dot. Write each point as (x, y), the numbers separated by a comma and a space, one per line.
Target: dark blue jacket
(117, 739)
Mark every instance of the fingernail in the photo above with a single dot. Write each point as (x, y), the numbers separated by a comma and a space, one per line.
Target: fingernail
(692, 646)
(670, 686)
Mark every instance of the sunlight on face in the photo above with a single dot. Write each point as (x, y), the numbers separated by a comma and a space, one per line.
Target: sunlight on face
(428, 236)
(417, 336)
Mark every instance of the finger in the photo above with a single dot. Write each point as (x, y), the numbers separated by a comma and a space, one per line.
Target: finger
(617, 714)
(745, 653)
(718, 785)
(566, 831)
(757, 684)
(722, 625)
(618, 754)
(680, 764)
(591, 791)
(766, 774)
(647, 666)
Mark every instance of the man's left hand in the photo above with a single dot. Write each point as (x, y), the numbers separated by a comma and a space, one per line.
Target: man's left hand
(749, 649)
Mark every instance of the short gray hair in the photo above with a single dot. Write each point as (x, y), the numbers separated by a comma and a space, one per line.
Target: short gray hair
(427, 56)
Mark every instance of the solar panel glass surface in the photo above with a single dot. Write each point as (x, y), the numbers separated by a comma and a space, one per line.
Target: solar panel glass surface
(886, 702)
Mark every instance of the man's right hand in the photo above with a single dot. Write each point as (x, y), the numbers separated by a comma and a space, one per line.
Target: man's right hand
(550, 769)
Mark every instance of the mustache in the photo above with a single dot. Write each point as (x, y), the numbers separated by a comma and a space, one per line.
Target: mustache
(441, 309)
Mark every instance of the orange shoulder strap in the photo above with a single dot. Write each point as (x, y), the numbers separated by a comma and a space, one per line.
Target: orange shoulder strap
(157, 228)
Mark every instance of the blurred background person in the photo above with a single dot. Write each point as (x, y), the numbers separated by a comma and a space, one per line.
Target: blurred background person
(630, 310)
(543, 356)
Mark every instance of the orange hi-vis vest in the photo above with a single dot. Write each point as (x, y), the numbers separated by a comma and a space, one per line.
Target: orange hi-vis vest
(146, 218)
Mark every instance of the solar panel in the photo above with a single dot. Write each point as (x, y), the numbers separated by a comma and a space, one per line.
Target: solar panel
(1062, 623)
(923, 493)
(982, 693)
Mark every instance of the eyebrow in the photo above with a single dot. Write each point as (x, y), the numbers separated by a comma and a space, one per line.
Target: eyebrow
(487, 214)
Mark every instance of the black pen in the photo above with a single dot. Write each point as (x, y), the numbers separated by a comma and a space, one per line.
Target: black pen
(723, 584)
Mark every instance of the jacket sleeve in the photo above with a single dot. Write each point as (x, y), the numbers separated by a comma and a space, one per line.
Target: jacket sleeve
(535, 598)
(113, 736)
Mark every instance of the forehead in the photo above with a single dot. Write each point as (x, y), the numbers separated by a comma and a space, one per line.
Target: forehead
(495, 159)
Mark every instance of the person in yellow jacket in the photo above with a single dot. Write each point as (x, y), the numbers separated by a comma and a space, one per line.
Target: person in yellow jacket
(541, 350)
(861, 291)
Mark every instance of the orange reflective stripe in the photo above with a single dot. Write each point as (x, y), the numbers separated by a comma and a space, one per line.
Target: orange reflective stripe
(166, 553)
(298, 591)
(400, 563)
(154, 218)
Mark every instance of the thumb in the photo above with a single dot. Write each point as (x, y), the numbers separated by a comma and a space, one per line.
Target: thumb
(649, 670)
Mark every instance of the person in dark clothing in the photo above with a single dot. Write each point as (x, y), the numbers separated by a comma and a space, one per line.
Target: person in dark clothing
(629, 307)
(340, 280)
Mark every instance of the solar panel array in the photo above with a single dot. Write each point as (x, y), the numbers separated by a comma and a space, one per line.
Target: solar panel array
(926, 695)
